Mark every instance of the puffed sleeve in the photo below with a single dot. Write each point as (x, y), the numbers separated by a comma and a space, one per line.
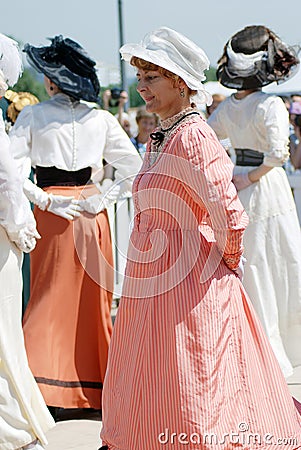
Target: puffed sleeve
(273, 119)
(206, 172)
(20, 138)
(15, 212)
(121, 154)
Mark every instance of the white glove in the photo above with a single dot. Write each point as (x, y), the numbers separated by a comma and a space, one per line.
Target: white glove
(241, 181)
(66, 207)
(240, 269)
(35, 194)
(98, 202)
(25, 238)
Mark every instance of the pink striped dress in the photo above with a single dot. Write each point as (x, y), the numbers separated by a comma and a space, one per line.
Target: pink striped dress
(189, 364)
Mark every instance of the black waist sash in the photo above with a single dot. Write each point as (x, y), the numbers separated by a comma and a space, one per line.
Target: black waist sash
(247, 157)
(51, 176)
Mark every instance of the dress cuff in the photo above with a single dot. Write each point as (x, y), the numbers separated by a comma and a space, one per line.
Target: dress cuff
(232, 260)
(275, 158)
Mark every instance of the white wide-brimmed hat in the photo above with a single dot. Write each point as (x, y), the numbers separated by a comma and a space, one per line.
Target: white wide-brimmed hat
(174, 52)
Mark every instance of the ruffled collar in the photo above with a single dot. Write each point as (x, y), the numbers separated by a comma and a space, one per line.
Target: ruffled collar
(167, 129)
(169, 126)
(167, 123)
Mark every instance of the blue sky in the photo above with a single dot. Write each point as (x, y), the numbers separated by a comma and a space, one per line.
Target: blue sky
(94, 23)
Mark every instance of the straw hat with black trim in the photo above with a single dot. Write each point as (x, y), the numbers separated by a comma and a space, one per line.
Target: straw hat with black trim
(67, 65)
(255, 57)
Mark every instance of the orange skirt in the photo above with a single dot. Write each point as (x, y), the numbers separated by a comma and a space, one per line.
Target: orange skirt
(67, 323)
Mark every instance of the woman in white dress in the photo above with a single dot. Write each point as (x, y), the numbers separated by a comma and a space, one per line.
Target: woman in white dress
(24, 417)
(258, 127)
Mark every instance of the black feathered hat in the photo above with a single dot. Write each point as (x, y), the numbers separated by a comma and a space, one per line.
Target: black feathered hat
(68, 65)
(255, 57)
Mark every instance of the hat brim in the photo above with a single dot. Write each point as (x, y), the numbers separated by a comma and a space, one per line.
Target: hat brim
(161, 59)
(240, 83)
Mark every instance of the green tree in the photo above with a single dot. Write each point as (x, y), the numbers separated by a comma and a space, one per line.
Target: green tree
(29, 83)
(134, 97)
(211, 74)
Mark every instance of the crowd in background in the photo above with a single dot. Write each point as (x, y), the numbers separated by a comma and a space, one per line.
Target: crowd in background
(130, 122)
(73, 161)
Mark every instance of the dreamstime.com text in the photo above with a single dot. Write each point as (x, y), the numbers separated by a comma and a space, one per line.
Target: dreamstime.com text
(241, 436)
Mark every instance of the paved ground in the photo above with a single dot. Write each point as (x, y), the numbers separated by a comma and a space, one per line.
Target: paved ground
(75, 434)
(83, 433)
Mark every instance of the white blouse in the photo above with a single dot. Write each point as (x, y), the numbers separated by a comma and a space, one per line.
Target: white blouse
(258, 122)
(15, 212)
(70, 136)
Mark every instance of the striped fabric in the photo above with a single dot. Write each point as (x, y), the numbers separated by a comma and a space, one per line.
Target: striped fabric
(189, 363)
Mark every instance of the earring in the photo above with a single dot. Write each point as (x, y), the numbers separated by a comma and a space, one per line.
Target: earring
(182, 92)
(51, 88)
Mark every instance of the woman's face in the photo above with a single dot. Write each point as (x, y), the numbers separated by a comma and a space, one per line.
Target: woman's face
(161, 94)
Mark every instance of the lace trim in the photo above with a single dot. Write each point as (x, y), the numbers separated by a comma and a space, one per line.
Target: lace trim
(167, 123)
(156, 150)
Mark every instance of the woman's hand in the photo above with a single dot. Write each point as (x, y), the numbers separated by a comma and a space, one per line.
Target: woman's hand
(66, 207)
(244, 180)
(240, 269)
(123, 99)
(97, 203)
(25, 238)
(241, 181)
(106, 96)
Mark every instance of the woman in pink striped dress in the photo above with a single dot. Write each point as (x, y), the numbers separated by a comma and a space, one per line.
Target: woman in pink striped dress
(189, 364)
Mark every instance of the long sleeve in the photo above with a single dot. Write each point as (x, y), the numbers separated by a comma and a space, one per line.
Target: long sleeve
(274, 118)
(206, 173)
(15, 212)
(121, 154)
(20, 142)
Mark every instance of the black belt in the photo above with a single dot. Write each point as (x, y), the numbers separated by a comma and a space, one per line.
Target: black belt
(247, 157)
(51, 176)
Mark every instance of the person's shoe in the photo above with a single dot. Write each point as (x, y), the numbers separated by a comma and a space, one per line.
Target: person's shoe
(54, 411)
